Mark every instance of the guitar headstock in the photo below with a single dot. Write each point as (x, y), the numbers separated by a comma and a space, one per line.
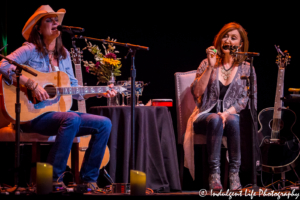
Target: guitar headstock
(283, 58)
(127, 84)
(76, 55)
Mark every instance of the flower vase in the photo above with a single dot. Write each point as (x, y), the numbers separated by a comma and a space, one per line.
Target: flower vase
(112, 101)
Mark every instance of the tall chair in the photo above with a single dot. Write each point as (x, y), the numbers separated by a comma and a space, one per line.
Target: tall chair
(185, 105)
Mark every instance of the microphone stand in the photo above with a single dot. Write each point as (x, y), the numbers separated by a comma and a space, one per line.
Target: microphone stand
(253, 114)
(254, 126)
(18, 71)
(132, 51)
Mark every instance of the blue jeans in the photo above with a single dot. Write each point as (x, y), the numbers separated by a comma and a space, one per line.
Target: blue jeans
(66, 126)
(211, 125)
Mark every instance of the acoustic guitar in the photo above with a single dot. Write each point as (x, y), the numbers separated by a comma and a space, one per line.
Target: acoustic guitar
(84, 140)
(56, 84)
(279, 146)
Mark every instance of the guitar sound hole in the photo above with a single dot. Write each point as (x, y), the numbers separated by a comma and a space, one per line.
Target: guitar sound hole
(279, 122)
(51, 90)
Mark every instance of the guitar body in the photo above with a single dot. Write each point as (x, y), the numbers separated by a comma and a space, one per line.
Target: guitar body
(29, 108)
(83, 144)
(278, 158)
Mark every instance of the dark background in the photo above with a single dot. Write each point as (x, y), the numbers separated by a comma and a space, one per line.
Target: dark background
(177, 35)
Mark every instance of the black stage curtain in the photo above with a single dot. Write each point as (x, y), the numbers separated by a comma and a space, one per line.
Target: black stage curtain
(155, 145)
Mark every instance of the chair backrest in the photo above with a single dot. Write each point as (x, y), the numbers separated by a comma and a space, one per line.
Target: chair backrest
(185, 103)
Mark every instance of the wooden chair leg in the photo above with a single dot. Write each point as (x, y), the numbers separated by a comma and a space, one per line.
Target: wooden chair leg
(75, 161)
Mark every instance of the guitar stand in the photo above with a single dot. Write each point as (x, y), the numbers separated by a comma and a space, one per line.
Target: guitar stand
(282, 181)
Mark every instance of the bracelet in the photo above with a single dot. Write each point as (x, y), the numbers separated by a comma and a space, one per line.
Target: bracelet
(211, 67)
(227, 112)
(29, 84)
(35, 86)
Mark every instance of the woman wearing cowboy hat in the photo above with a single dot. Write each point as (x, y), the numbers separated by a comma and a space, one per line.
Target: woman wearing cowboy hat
(45, 52)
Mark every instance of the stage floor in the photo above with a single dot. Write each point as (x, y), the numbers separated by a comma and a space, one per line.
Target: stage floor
(227, 194)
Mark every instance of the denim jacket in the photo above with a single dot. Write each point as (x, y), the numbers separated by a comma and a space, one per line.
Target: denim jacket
(28, 55)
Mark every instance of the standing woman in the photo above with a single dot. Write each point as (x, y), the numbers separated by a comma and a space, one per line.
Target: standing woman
(220, 95)
(45, 52)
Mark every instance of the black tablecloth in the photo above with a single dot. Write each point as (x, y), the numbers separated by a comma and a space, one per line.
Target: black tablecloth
(155, 145)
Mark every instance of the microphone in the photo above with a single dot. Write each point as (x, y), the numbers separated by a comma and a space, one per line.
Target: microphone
(234, 48)
(231, 48)
(70, 29)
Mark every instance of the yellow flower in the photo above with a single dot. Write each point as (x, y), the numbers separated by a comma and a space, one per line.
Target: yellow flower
(111, 61)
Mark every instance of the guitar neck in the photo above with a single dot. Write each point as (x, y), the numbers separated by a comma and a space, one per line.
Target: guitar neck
(81, 106)
(279, 94)
(278, 104)
(78, 74)
(86, 90)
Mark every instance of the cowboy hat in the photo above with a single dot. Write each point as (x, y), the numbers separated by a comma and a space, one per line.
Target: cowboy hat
(38, 14)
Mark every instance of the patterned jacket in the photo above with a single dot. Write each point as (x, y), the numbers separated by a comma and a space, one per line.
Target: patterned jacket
(236, 94)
